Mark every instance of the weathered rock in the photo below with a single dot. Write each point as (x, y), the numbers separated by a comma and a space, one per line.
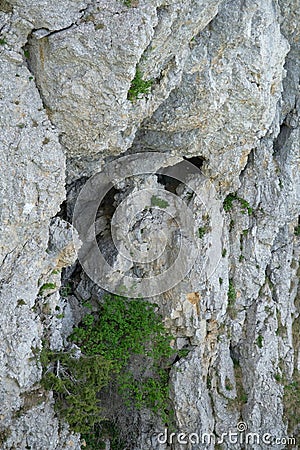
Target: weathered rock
(230, 87)
(226, 90)
(85, 88)
(32, 188)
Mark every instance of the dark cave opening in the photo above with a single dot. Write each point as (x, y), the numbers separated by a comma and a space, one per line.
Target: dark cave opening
(173, 176)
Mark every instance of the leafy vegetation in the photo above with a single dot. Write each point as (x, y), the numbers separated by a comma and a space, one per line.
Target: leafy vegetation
(278, 377)
(297, 230)
(259, 341)
(228, 202)
(102, 431)
(160, 202)
(76, 383)
(47, 287)
(138, 85)
(228, 384)
(231, 294)
(202, 232)
(241, 396)
(21, 302)
(245, 206)
(122, 332)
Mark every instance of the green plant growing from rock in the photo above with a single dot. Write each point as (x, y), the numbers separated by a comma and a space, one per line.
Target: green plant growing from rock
(76, 383)
(231, 292)
(278, 377)
(291, 401)
(47, 287)
(138, 86)
(202, 231)
(110, 340)
(259, 341)
(66, 290)
(245, 206)
(122, 329)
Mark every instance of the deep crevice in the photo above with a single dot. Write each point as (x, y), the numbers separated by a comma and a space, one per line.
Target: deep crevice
(282, 138)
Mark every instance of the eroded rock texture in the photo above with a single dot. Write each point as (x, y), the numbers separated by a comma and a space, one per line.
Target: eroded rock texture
(225, 89)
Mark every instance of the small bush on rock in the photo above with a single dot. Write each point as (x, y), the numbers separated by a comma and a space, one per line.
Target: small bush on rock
(125, 346)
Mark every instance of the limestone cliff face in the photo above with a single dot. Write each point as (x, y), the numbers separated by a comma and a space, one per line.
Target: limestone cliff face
(224, 94)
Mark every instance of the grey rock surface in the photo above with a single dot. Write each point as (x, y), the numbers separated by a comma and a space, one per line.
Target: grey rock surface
(103, 48)
(225, 89)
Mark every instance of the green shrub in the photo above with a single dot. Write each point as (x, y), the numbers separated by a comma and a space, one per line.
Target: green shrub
(245, 206)
(124, 328)
(138, 86)
(231, 295)
(259, 341)
(105, 430)
(66, 290)
(110, 340)
(76, 383)
(228, 384)
(47, 287)
(241, 396)
(202, 232)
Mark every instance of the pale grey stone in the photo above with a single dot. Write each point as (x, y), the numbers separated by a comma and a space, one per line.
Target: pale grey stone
(225, 88)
